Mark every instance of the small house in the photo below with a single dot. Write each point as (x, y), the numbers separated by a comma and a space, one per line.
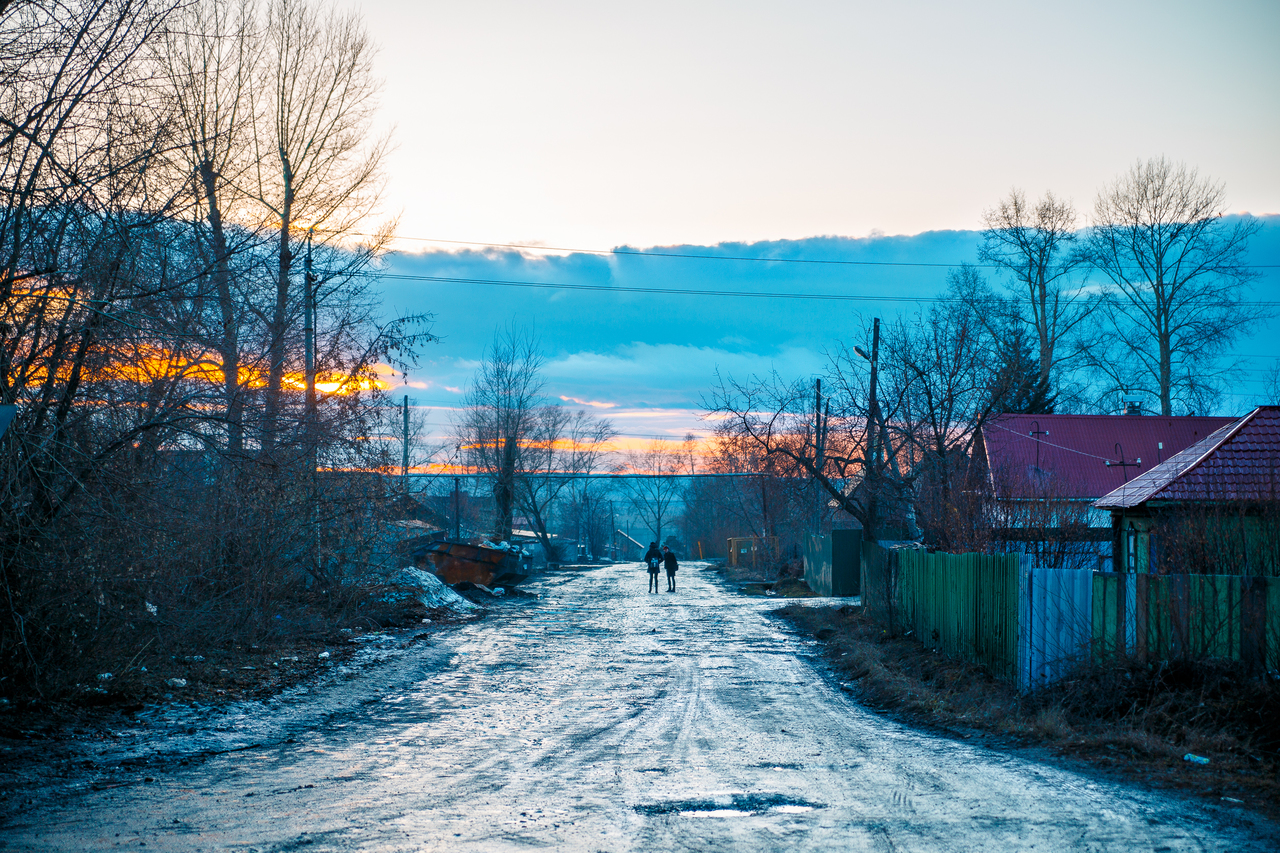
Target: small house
(1213, 508)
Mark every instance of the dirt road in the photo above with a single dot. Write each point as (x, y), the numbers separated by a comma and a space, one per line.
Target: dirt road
(603, 718)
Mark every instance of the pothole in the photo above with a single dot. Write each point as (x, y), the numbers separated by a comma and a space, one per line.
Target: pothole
(738, 805)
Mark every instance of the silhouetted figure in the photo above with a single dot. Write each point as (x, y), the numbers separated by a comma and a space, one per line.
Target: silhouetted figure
(653, 559)
(669, 560)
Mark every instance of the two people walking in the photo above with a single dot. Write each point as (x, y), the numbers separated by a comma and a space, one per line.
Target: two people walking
(656, 559)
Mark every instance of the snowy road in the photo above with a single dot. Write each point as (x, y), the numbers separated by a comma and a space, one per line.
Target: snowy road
(603, 718)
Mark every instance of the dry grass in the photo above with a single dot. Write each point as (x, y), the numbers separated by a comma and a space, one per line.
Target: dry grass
(1133, 720)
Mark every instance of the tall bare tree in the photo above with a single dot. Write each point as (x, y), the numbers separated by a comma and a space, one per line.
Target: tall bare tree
(941, 369)
(319, 168)
(211, 52)
(1177, 273)
(107, 318)
(1035, 245)
(564, 450)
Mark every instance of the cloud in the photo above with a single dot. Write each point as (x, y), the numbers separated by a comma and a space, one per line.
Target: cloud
(668, 375)
(654, 356)
(593, 403)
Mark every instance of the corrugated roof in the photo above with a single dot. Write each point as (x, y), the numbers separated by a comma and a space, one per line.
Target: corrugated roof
(1073, 456)
(1241, 461)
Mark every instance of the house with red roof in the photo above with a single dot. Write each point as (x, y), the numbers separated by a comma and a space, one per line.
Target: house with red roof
(1044, 473)
(1212, 508)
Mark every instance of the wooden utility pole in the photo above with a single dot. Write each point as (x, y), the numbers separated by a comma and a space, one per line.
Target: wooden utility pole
(309, 339)
(872, 460)
(404, 461)
(457, 511)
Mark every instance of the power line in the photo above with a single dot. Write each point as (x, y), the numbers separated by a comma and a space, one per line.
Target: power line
(567, 475)
(673, 291)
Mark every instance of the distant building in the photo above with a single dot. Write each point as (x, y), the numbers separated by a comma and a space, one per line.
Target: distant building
(1045, 472)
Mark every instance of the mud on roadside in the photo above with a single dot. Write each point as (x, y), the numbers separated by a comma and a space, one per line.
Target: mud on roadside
(1106, 728)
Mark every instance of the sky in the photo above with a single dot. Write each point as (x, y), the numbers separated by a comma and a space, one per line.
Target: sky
(810, 128)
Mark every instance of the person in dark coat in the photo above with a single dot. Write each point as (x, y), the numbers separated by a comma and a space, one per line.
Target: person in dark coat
(669, 560)
(653, 559)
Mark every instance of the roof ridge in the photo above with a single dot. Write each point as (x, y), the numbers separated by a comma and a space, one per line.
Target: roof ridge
(1152, 483)
(1232, 431)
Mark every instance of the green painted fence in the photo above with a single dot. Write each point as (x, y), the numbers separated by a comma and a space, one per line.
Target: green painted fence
(1187, 617)
(983, 608)
(963, 605)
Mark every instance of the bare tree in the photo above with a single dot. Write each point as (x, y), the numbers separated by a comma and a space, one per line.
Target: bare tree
(1271, 385)
(941, 375)
(502, 414)
(567, 449)
(109, 314)
(1177, 273)
(211, 52)
(838, 439)
(319, 171)
(767, 496)
(562, 452)
(776, 418)
(942, 371)
(1035, 245)
(657, 486)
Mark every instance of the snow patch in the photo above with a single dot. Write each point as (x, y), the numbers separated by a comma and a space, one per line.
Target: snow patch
(431, 591)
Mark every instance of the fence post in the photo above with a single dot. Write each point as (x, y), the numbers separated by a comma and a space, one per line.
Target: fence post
(1026, 584)
(1253, 623)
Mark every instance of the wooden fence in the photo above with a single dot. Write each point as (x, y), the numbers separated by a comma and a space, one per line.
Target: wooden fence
(1033, 625)
(963, 605)
(1184, 617)
(1055, 623)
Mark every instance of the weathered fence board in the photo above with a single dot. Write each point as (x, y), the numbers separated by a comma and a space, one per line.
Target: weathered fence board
(963, 605)
(1184, 617)
(1054, 623)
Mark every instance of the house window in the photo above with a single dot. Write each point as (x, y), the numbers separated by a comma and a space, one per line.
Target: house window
(1131, 552)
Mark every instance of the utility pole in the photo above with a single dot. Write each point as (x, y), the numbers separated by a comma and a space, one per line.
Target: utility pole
(309, 368)
(457, 512)
(404, 462)
(821, 422)
(874, 436)
(309, 337)
(871, 461)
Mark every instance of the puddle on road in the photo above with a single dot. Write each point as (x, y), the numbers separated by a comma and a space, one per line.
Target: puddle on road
(739, 805)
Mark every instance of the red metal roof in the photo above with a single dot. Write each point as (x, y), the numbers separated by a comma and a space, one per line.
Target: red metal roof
(1238, 462)
(1073, 456)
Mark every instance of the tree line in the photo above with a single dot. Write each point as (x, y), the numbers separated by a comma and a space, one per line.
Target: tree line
(188, 331)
